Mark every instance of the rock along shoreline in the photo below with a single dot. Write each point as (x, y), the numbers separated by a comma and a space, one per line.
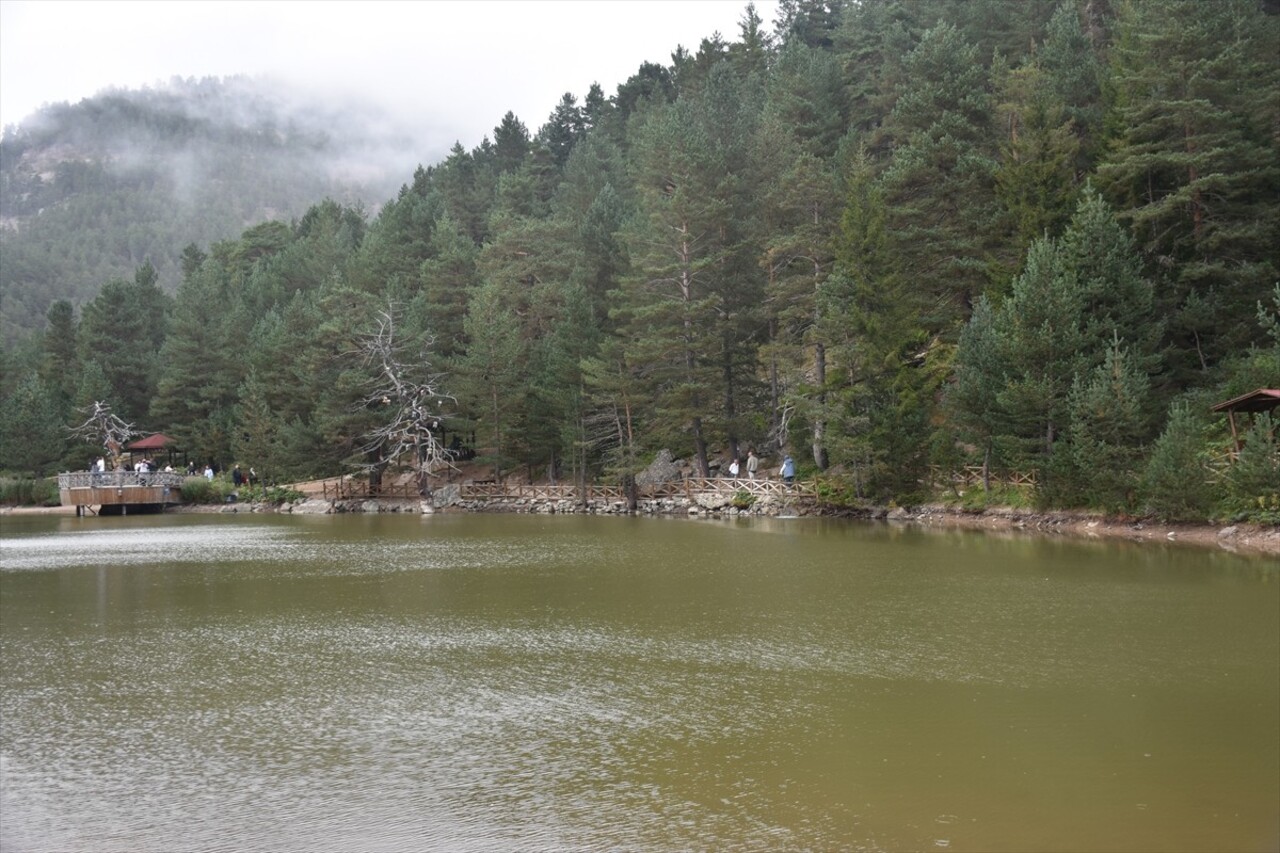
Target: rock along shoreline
(1239, 538)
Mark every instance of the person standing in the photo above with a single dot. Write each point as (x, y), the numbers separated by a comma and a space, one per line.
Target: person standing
(753, 464)
(788, 471)
(733, 469)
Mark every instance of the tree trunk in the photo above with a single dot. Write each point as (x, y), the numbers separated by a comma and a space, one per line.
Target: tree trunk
(700, 448)
(820, 370)
(820, 421)
(632, 491)
(730, 407)
(774, 409)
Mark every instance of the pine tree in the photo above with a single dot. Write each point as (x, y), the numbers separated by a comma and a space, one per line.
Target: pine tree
(491, 375)
(1035, 180)
(880, 389)
(201, 368)
(60, 367)
(688, 302)
(1108, 425)
(466, 186)
(1253, 480)
(33, 435)
(256, 442)
(563, 130)
(122, 331)
(1176, 485)
(1039, 326)
(447, 277)
(806, 95)
(751, 53)
(944, 219)
(1076, 76)
(1196, 167)
(801, 213)
(1119, 300)
(511, 144)
(972, 398)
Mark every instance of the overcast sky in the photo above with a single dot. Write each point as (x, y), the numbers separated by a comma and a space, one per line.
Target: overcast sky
(449, 70)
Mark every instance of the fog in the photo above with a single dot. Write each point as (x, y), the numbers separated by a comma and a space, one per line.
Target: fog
(409, 78)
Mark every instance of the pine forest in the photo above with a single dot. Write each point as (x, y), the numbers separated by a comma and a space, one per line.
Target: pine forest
(888, 238)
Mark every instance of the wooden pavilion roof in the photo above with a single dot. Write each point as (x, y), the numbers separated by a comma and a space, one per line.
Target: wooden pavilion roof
(155, 441)
(1261, 400)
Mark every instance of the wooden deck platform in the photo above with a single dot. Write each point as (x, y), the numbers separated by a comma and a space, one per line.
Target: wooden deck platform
(119, 492)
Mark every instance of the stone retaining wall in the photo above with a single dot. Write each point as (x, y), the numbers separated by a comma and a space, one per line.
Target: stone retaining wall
(449, 500)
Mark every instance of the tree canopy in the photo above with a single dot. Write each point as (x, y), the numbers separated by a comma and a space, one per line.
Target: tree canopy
(880, 236)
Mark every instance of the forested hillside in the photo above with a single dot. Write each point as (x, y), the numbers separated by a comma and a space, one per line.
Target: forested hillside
(879, 236)
(89, 191)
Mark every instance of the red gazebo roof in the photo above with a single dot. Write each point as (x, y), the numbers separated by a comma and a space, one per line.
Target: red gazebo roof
(156, 441)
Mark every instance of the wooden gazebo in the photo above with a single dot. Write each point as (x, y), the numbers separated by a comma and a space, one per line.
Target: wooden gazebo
(1262, 400)
(151, 444)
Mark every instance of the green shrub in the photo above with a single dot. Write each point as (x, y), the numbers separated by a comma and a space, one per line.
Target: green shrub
(271, 494)
(1175, 484)
(27, 491)
(1001, 494)
(838, 492)
(197, 490)
(742, 500)
(1253, 480)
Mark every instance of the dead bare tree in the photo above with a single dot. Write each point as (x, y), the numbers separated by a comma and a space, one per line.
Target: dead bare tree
(413, 429)
(105, 429)
(781, 433)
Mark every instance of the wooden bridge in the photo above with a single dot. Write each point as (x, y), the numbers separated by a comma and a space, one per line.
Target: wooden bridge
(485, 490)
(119, 492)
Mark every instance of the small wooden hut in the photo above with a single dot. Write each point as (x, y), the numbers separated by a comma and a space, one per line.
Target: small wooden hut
(1261, 400)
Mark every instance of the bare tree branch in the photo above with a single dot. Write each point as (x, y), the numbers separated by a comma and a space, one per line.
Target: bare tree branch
(412, 397)
(104, 428)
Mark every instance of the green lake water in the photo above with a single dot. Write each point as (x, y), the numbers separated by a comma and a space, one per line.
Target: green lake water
(473, 682)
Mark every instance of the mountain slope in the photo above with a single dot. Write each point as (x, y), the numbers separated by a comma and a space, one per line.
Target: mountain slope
(89, 191)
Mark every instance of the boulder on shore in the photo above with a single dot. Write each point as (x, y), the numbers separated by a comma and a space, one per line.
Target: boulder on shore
(663, 469)
(447, 495)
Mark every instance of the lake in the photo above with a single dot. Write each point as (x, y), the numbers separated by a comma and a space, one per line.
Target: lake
(481, 682)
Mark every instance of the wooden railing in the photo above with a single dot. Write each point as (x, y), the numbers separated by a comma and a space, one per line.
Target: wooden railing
(346, 490)
(118, 479)
(971, 475)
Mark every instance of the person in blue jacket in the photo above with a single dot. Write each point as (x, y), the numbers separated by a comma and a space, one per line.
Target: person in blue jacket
(788, 471)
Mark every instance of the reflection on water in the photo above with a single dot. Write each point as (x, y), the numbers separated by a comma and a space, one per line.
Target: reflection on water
(477, 683)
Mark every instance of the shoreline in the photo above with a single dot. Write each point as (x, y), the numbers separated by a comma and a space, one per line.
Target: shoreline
(1251, 539)
(1246, 539)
